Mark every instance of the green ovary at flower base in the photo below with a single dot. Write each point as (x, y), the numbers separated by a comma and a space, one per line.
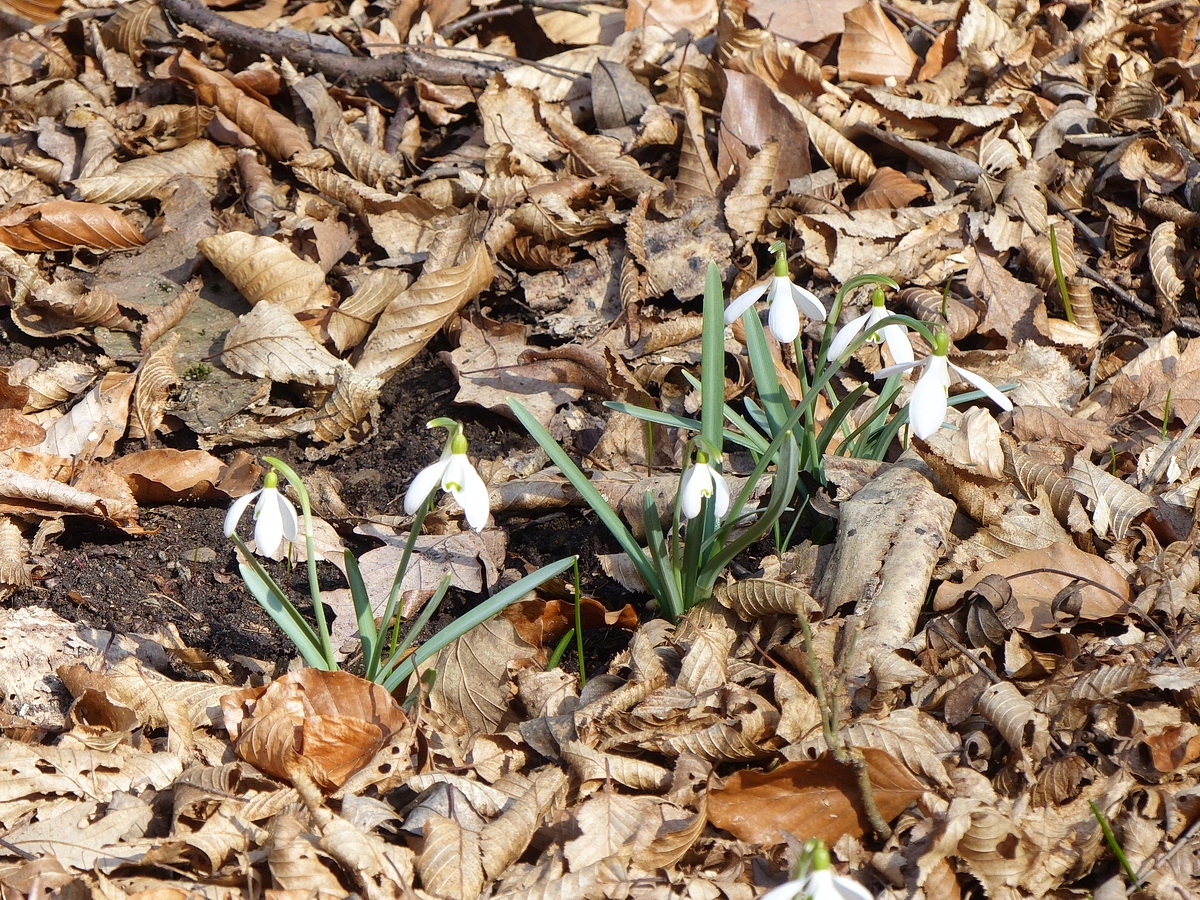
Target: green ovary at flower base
(819, 881)
(274, 516)
(455, 474)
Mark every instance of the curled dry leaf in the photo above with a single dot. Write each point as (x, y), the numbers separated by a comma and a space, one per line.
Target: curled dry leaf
(94, 425)
(416, 315)
(1167, 270)
(67, 224)
(148, 176)
(269, 342)
(816, 798)
(325, 724)
(155, 378)
(753, 598)
(449, 861)
(167, 475)
(874, 50)
(264, 270)
(1037, 578)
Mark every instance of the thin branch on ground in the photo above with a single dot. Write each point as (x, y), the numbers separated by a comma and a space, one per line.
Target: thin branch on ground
(343, 68)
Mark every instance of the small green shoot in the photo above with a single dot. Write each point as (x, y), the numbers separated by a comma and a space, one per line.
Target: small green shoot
(1058, 274)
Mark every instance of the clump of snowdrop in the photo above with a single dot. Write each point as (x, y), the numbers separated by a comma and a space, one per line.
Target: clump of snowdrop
(455, 474)
(699, 482)
(820, 883)
(930, 399)
(787, 301)
(895, 336)
(275, 518)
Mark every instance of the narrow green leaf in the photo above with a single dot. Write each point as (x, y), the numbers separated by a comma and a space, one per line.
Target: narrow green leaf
(591, 496)
(367, 634)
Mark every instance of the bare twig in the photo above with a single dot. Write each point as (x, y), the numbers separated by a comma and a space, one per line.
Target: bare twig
(358, 70)
(847, 756)
(1081, 227)
(1119, 292)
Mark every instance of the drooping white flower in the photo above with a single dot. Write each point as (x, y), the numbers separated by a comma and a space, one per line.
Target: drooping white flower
(930, 398)
(698, 482)
(274, 516)
(787, 302)
(895, 336)
(820, 884)
(455, 474)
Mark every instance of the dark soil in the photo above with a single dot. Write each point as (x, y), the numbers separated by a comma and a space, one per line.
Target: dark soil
(183, 570)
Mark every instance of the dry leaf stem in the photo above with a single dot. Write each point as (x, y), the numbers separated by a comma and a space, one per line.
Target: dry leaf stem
(847, 756)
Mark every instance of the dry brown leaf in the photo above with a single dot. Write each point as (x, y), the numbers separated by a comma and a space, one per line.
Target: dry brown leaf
(148, 176)
(1102, 591)
(156, 376)
(873, 49)
(94, 425)
(264, 270)
(811, 798)
(804, 23)
(167, 475)
(67, 224)
(324, 724)
(490, 368)
(278, 135)
(417, 314)
(888, 189)
(449, 861)
(269, 342)
(474, 675)
(351, 320)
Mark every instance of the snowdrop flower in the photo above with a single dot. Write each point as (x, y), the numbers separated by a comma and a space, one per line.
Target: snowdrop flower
(927, 406)
(456, 475)
(698, 482)
(274, 517)
(895, 336)
(820, 884)
(786, 299)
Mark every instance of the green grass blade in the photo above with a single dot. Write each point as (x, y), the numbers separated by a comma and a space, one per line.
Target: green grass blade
(287, 617)
(465, 623)
(368, 636)
(591, 496)
(712, 361)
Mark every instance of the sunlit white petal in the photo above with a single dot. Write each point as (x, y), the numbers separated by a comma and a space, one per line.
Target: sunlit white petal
(720, 495)
(423, 485)
(984, 385)
(898, 344)
(846, 335)
(744, 301)
(927, 406)
(888, 371)
(695, 486)
(808, 302)
(784, 318)
(820, 885)
(236, 510)
(270, 513)
(465, 485)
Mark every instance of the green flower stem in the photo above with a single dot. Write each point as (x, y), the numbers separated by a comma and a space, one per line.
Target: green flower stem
(310, 546)
(578, 629)
(393, 600)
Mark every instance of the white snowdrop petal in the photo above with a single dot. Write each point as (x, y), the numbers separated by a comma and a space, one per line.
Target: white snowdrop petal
(472, 496)
(927, 406)
(984, 385)
(720, 496)
(888, 371)
(784, 318)
(808, 302)
(268, 523)
(237, 509)
(896, 338)
(846, 335)
(423, 485)
(744, 301)
(691, 492)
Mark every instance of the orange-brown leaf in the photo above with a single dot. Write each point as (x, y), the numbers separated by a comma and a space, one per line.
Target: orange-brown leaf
(810, 798)
(66, 224)
(888, 189)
